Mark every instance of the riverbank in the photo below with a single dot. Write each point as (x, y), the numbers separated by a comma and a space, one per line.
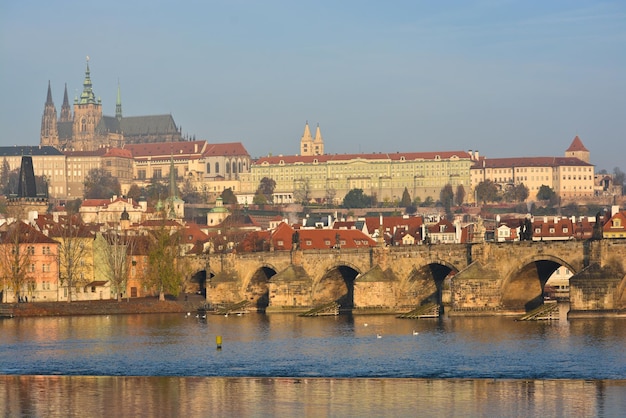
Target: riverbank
(102, 307)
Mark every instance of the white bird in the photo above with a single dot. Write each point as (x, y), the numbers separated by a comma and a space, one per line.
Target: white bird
(365, 324)
(379, 336)
(415, 332)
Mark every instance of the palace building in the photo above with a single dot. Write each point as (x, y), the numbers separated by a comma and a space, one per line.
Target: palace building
(329, 177)
(571, 176)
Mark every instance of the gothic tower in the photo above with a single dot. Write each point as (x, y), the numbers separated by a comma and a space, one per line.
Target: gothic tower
(118, 104)
(49, 131)
(87, 115)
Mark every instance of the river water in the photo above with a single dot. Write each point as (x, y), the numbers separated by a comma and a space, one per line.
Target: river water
(285, 365)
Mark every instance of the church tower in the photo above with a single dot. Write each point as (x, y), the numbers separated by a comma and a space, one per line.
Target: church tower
(118, 104)
(49, 131)
(578, 150)
(306, 143)
(318, 142)
(66, 110)
(87, 115)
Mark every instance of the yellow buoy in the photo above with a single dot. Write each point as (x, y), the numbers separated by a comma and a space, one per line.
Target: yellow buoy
(218, 341)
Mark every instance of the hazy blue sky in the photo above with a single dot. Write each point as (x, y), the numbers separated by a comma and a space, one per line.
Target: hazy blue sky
(507, 78)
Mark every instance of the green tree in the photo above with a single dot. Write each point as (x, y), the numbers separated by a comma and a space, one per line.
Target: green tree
(266, 188)
(487, 191)
(259, 198)
(134, 192)
(100, 184)
(406, 198)
(73, 206)
(228, 197)
(165, 273)
(460, 195)
(446, 196)
(428, 202)
(517, 193)
(355, 198)
(546, 193)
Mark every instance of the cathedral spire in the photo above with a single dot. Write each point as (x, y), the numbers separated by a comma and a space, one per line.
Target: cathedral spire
(49, 98)
(87, 96)
(118, 103)
(66, 110)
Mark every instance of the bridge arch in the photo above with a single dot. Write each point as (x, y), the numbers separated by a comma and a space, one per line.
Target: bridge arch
(426, 283)
(523, 287)
(256, 287)
(336, 285)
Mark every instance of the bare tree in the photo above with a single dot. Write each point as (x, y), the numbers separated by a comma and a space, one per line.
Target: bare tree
(115, 250)
(75, 250)
(15, 258)
(302, 191)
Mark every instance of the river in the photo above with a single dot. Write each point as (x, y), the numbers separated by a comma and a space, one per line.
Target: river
(285, 365)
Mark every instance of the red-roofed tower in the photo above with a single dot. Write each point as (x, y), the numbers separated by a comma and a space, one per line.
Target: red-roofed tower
(577, 150)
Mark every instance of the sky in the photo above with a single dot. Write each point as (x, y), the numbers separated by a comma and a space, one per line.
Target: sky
(506, 78)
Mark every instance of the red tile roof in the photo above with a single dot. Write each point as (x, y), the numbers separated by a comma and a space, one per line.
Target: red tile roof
(329, 158)
(317, 239)
(529, 162)
(577, 145)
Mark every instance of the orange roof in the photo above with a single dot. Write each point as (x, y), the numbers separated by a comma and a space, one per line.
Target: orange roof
(326, 158)
(228, 148)
(529, 162)
(577, 145)
(317, 239)
(166, 149)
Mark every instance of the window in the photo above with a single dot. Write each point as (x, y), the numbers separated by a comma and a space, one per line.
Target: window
(217, 168)
(280, 242)
(208, 168)
(308, 242)
(157, 173)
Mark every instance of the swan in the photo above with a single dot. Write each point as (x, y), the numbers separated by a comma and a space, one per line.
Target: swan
(415, 332)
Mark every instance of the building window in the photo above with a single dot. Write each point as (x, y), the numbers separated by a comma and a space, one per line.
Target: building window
(157, 173)
(217, 168)
(208, 168)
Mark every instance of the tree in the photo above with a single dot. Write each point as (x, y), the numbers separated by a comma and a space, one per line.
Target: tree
(460, 195)
(115, 257)
(446, 196)
(406, 198)
(16, 252)
(259, 198)
(73, 206)
(266, 188)
(302, 191)
(487, 191)
(228, 197)
(429, 201)
(355, 198)
(189, 193)
(75, 244)
(546, 193)
(517, 193)
(165, 267)
(619, 178)
(134, 192)
(329, 197)
(100, 184)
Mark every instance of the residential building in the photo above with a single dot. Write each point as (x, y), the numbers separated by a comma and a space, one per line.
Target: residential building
(285, 237)
(615, 227)
(25, 249)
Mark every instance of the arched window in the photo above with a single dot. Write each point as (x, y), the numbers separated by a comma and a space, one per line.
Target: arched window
(208, 168)
(83, 125)
(239, 167)
(227, 168)
(217, 168)
(234, 167)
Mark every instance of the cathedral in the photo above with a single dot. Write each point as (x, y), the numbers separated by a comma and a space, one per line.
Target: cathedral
(88, 130)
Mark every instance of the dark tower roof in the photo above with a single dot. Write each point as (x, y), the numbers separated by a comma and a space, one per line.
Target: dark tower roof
(26, 186)
(49, 98)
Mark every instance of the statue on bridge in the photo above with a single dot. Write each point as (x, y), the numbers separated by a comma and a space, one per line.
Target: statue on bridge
(295, 240)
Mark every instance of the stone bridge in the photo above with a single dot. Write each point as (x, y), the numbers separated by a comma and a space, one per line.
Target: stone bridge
(485, 278)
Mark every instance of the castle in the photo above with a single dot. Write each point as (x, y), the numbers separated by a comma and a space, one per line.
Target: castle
(87, 129)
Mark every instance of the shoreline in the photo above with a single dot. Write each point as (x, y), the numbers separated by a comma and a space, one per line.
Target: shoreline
(99, 307)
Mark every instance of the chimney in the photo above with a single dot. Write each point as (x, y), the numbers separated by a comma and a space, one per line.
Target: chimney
(614, 210)
(476, 156)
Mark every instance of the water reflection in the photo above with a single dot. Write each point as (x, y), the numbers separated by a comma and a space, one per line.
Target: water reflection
(65, 396)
